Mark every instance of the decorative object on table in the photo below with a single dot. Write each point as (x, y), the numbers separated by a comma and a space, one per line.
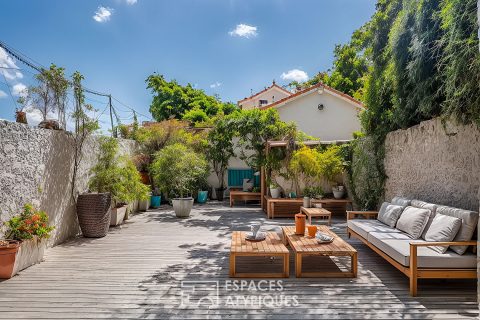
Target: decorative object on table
(338, 192)
(306, 202)
(300, 220)
(292, 195)
(312, 231)
(323, 238)
(318, 205)
(255, 234)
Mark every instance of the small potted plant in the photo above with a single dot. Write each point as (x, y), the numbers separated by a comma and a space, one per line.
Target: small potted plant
(274, 190)
(308, 195)
(156, 198)
(177, 171)
(26, 233)
(338, 191)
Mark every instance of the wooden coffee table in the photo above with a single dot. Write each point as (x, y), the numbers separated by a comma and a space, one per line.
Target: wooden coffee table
(244, 195)
(272, 246)
(322, 213)
(305, 246)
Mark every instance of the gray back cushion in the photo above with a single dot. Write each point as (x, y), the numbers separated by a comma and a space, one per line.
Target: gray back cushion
(469, 223)
(425, 205)
(389, 214)
(443, 228)
(401, 201)
(413, 221)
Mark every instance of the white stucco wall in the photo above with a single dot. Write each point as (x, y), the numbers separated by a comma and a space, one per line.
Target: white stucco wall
(337, 121)
(273, 94)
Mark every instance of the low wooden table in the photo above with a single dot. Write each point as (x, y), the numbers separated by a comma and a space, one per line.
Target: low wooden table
(244, 195)
(305, 246)
(322, 213)
(272, 246)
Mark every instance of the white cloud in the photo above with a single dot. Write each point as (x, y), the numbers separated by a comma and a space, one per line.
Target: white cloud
(244, 30)
(8, 66)
(103, 14)
(2, 94)
(215, 85)
(130, 2)
(34, 116)
(295, 75)
(19, 89)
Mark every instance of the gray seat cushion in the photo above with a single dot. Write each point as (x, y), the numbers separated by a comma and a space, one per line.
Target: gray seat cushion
(401, 201)
(443, 228)
(364, 226)
(389, 214)
(469, 223)
(425, 205)
(413, 221)
(397, 246)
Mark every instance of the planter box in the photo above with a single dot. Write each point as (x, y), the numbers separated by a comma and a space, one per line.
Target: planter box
(143, 205)
(117, 215)
(31, 252)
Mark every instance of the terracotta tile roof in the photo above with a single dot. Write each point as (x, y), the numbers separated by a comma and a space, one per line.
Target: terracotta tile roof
(318, 85)
(264, 90)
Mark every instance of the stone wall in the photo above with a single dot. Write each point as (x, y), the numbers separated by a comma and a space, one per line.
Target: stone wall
(36, 167)
(435, 162)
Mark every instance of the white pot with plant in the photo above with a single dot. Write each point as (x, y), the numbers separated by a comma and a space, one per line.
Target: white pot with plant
(274, 190)
(178, 171)
(338, 192)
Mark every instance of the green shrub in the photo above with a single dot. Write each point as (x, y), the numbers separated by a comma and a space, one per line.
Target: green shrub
(30, 223)
(178, 171)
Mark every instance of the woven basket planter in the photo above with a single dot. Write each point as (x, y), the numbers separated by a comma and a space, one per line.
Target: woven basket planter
(93, 211)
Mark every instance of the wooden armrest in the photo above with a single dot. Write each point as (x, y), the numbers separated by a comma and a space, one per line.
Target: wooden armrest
(445, 243)
(367, 214)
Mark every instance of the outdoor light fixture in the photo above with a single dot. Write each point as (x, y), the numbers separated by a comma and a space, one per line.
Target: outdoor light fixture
(320, 106)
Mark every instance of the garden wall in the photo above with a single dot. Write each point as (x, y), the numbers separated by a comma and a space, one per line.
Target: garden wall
(435, 162)
(36, 167)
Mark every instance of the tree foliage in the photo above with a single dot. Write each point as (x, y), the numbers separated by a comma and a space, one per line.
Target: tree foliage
(172, 100)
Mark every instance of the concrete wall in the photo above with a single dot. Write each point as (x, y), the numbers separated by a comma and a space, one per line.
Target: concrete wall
(337, 121)
(36, 167)
(435, 163)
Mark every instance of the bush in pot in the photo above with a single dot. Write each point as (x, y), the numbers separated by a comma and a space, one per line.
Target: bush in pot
(118, 177)
(177, 171)
(330, 166)
(25, 233)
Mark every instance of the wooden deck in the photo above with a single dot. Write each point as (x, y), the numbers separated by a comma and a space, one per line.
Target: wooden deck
(136, 272)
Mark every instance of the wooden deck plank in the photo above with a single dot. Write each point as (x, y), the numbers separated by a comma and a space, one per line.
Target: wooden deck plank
(136, 272)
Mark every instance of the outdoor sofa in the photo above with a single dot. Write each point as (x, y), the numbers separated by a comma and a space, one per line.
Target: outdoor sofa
(422, 240)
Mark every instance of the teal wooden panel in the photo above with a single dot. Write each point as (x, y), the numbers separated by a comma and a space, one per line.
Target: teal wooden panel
(236, 176)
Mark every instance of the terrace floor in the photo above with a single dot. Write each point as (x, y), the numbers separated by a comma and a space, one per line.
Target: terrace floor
(136, 272)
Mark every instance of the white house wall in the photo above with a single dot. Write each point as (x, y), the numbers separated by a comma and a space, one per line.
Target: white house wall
(337, 121)
(271, 95)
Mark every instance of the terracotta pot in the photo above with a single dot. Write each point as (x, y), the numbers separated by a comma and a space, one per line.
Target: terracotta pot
(21, 117)
(8, 256)
(145, 177)
(300, 220)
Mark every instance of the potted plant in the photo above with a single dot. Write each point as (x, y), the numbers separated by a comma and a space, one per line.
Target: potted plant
(220, 150)
(331, 165)
(156, 198)
(142, 161)
(177, 171)
(26, 233)
(118, 177)
(274, 190)
(202, 194)
(308, 194)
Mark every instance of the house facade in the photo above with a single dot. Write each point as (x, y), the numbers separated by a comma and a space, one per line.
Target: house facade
(320, 111)
(265, 97)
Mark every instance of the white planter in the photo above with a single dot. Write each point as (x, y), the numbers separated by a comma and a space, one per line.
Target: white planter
(117, 215)
(275, 193)
(306, 202)
(182, 207)
(144, 205)
(30, 252)
(338, 194)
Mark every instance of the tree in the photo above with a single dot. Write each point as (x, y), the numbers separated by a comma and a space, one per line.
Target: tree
(220, 146)
(172, 100)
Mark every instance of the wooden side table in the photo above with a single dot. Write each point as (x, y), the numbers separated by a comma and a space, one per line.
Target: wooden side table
(322, 213)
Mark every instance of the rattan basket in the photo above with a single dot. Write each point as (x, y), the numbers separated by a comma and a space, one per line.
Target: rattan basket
(93, 211)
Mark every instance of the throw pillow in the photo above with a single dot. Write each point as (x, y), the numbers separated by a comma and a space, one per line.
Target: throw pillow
(413, 221)
(443, 228)
(469, 223)
(389, 214)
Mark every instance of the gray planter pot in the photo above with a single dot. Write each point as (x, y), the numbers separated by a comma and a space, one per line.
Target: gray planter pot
(275, 193)
(30, 252)
(143, 205)
(117, 215)
(306, 202)
(182, 207)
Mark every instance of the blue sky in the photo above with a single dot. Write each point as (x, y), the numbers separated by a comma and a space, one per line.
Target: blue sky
(227, 47)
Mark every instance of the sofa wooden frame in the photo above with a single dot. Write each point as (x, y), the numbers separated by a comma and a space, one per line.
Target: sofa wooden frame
(413, 272)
